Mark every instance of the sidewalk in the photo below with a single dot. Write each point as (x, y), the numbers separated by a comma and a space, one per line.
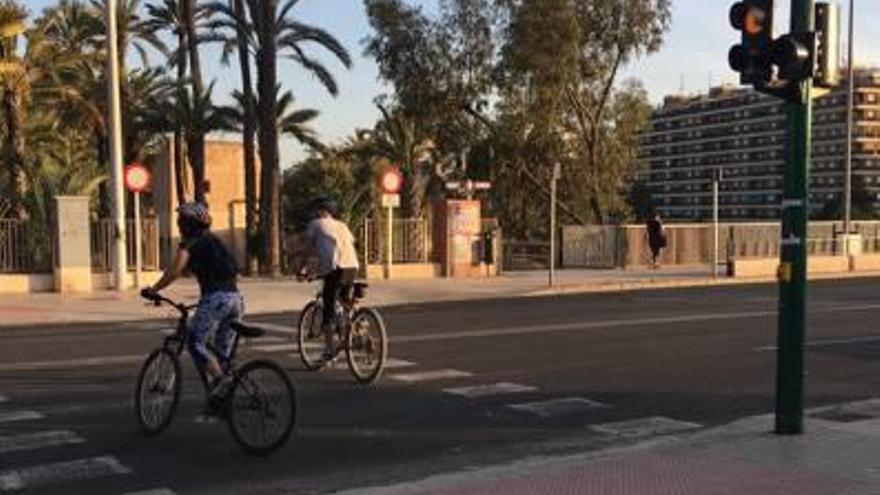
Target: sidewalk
(831, 458)
(286, 295)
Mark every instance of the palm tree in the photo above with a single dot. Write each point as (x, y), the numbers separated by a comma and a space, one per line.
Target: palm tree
(229, 25)
(134, 32)
(167, 17)
(275, 31)
(398, 139)
(15, 86)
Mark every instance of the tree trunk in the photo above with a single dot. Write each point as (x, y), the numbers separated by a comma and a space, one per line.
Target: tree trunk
(270, 190)
(414, 211)
(247, 136)
(12, 106)
(196, 145)
(179, 163)
(179, 139)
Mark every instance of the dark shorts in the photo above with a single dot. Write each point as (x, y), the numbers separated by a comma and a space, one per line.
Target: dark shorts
(336, 284)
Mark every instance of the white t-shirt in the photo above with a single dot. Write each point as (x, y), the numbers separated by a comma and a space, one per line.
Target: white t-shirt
(334, 244)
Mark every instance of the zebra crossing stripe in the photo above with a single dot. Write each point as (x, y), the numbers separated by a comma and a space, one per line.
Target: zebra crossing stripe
(38, 440)
(500, 388)
(424, 376)
(553, 407)
(9, 417)
(276, 348)
(155, 491)
(45, 474)
(640, 428)
(392, 363)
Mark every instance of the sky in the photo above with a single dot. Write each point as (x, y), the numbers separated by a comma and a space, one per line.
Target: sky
(694, 56)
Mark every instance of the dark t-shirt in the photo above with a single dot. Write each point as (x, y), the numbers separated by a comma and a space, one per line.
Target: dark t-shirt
(655, 232)
(212, 264)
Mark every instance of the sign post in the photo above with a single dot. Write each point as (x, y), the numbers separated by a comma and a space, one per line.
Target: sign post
(557, 173)
(392, 181)
(717, 176)
(137, 180)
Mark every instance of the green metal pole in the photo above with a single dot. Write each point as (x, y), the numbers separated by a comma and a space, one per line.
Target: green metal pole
(793, 269)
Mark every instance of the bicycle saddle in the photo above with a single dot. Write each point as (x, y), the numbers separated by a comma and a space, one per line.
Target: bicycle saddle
(246, 330)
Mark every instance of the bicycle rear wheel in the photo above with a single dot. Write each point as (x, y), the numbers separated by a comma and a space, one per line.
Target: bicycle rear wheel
(261, 407)
(157, 392)
(367, 346)
(310, 337)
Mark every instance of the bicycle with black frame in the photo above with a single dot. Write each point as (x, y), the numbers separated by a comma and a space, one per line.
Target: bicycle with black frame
(359, 329)
(260, 405)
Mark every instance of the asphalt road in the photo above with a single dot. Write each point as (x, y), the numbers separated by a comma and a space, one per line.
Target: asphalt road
(578, 373)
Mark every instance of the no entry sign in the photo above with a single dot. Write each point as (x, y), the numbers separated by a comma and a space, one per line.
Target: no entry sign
(392, 181)
(137, 178)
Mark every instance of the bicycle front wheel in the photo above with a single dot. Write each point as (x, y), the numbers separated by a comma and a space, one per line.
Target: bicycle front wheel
(262, 407)
(310, 337)
(157, 392)
(367, 346)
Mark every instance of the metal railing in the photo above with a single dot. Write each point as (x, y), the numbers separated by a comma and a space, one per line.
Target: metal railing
(19, 249)
(102, 245)
(411, 241)
(526, 255)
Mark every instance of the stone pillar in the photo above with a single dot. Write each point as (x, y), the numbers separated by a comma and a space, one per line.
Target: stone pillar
(73, 257)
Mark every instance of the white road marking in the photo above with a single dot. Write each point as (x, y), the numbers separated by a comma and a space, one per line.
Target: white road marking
(553, 407)
(72, 363)
(155, 491)
(167, 331)
(268, 340)
(501, 388)
(276, 348)
(38, 440)
(827, 343)
(645, 427)
(9, 417)
(392, 363)
(424, 376)
(623, 323)
(3, 398)
(281, 329)
(29, 477)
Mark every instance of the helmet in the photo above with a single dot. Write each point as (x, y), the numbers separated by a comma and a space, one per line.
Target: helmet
(322, 202)
(195, 214)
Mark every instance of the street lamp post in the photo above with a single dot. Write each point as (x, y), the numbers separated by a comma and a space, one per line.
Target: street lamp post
(850, 103)
(120, 265)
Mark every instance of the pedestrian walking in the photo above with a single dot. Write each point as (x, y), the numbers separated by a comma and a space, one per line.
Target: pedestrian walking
(656, 238)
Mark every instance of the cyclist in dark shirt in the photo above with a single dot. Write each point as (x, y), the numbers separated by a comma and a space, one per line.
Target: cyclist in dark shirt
(203, 255)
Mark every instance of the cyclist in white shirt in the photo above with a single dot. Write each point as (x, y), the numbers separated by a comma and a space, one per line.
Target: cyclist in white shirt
(333, 243)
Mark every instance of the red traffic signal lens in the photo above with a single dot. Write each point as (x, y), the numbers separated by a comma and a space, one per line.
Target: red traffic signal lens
(754, 21)
(748, 18)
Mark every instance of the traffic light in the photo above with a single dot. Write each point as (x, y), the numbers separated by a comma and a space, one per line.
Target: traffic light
(778, 66)
(751, 58)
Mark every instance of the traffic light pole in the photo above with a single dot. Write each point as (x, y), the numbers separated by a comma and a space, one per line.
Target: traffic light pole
(793, 268)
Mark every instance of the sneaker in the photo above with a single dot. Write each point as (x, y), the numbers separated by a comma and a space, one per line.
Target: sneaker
(327, 359)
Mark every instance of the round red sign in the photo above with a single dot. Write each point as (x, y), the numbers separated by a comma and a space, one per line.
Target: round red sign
(392, 181)
(137, 178)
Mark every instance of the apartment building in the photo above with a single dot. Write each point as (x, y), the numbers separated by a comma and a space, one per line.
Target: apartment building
(743, 133)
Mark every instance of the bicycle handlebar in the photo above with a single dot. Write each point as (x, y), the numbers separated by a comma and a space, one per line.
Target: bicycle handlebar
(157, 299)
